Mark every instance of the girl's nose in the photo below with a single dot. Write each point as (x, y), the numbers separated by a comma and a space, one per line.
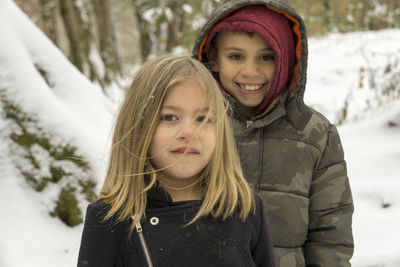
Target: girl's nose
(188, 131)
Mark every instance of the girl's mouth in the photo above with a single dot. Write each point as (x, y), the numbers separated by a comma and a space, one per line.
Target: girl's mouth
(186, 151)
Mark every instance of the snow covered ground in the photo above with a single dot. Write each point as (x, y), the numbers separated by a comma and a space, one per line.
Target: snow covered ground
(29, 237)
(373, 156)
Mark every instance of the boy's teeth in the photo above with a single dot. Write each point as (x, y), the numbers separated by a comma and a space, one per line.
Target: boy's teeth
(250, 87)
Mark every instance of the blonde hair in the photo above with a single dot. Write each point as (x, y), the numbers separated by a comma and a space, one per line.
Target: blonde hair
(125, 187)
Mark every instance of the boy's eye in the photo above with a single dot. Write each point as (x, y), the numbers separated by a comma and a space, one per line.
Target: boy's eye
(235, 57)
(268, 57)
(168, 117)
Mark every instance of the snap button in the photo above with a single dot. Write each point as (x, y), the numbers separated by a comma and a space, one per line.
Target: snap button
(154, 220)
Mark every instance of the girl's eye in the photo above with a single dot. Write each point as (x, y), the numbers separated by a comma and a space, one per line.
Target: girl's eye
(235, 57)
(268, 57)
(206, 119)
(168, 117)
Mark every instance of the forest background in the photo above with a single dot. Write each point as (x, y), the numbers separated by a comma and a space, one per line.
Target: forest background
(56, 118)
(107, 39)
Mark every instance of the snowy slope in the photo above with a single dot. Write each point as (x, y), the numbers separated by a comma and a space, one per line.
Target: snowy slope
(73, 110)
(68, 102)
(77, 111)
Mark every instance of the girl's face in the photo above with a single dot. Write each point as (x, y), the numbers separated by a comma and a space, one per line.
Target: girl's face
(184, 141)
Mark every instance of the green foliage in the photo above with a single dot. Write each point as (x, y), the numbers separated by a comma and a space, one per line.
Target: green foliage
(67, 207)
(323, 16)
(44, 75)
(344, 113)
(378, 85)
(39, 184)
(88, 187)
(27, 139)
(167, 24)
(43, 162)
(56, 173)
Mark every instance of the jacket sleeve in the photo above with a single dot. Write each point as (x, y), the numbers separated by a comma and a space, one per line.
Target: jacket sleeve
(98, 246)
(263, 255)
(330, 240)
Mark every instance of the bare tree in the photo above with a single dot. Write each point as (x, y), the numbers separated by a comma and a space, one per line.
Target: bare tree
(84, 30)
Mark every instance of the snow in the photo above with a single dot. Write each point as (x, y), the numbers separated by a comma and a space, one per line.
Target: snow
(69, 105)
(187, 8)
(97, 61)
(339, 63)
(77, 110)
(373, 156)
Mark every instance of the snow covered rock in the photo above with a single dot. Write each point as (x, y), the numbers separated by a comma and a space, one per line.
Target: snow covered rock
(53, 119)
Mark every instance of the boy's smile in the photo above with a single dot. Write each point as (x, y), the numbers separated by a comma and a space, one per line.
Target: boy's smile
(246, 66)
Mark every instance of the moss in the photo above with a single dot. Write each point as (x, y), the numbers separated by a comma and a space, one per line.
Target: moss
(56, 173)
(33, 160)
(25, 139)
(13, 112)
(25, 136)
(44, 75)
(343, 115)
(67, 153)
(67, 207)
(388, 68)
(39, 184)
(31, 180)
(88, 188)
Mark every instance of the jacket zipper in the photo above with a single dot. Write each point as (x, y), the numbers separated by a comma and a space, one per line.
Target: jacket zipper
(139, 230)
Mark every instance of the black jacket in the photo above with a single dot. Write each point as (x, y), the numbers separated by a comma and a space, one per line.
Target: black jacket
(207, 242)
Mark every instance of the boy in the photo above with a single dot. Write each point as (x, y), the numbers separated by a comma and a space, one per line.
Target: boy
(291, 155)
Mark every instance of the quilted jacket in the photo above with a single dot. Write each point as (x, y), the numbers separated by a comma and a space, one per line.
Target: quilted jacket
(293, 158)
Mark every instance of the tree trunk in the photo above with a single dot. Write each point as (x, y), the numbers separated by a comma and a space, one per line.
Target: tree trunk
(84, 30)
(77, 34)
(107, 42)
(327, 14)
(127, 36)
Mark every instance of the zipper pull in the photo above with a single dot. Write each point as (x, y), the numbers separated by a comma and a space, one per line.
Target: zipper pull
(146, 252)
(138, 226)
(248, 123)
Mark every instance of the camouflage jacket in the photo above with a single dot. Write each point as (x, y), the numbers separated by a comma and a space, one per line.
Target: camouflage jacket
(293, 158)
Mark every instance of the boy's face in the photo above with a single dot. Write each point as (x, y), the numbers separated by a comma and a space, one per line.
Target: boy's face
(246, 66)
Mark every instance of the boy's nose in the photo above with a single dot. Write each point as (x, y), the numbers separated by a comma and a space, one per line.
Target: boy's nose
(250, 69)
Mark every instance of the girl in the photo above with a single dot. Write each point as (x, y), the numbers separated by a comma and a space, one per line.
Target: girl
(174, 193)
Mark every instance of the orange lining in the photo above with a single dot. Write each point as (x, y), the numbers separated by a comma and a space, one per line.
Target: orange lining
(200, 55)
(296, 30)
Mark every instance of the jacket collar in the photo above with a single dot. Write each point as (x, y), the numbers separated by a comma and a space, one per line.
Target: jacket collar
(158, 197)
